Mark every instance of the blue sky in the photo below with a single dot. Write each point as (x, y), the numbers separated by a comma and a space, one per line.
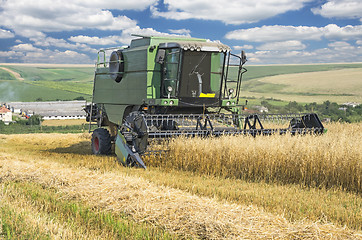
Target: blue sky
(270, 31)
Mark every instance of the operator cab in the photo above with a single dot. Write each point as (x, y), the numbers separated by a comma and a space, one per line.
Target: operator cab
(192, 72)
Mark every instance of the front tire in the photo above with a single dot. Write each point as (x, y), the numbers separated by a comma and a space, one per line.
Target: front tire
(101, 142)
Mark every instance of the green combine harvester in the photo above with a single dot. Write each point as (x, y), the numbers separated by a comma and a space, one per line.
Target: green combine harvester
(162, 87)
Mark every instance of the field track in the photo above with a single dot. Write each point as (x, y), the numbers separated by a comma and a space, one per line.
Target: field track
(15, 74)
(61, 162)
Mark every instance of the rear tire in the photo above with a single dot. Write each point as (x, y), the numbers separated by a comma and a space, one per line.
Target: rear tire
(101, 142)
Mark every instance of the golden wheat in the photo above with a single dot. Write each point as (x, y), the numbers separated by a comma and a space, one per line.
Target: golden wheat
(330, 160)
(179, 212)
(63, 161)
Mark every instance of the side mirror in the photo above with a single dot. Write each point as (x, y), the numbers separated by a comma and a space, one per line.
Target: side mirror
(243, 57)
(160, 58)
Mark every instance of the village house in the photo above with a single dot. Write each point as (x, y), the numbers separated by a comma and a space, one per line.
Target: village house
(6, 115)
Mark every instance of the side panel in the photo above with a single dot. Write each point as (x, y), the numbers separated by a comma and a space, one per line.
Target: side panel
(131, 90)
(115, 112)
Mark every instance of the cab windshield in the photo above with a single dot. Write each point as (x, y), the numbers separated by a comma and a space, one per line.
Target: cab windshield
(192, 74)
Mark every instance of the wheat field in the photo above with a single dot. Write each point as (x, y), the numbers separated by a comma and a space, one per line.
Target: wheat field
(323, 161)
(52, 187)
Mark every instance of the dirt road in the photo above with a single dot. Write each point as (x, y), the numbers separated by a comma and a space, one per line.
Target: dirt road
(15, 74)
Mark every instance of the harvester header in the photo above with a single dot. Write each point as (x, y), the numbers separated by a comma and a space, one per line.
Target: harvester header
(172, 86)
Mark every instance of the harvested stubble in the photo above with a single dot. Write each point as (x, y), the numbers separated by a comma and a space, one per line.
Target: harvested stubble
(331, 160)
(177, 211)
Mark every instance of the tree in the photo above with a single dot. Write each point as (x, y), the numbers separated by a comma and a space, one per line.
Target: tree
(79, 98)
(35, 120)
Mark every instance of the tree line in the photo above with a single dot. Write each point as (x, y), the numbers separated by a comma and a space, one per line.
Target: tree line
(327, 109)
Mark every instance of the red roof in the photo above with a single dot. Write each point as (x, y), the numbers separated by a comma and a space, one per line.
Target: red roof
(4, 110)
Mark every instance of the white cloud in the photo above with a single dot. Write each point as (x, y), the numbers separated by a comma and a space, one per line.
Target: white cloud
(244, 47)
(286, 33)
(116, 4)
(25, 47)
(180, 31)
(6, 34)
(7, 54)
(323, 55)
(49, 41)
(110, 40)
(61, 43)
(359, 42)
(283, 46)
(340, 9)
(340, 45)
(333, 31)
(69, 57)
(126, 36)
(33, 18)
(29, 54)
(275, 33)
(230, 12)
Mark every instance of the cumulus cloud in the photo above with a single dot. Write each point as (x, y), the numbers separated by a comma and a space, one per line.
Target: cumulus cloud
(110, 40)
(116, 4)
(36, 19)
(286, 33)
(244, 47)
(340, 9)
(346, 33)
(339, 44)
(26, 53)
(25, 47)
(33, 18)
(275, 33)
(126, 36)
(6, 34)
(283, 46)
(60, 43)
(7, 54)
(322, 55)
(185, 32)
(233, 12)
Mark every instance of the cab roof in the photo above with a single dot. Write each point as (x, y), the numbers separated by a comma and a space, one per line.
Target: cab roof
(186, 43)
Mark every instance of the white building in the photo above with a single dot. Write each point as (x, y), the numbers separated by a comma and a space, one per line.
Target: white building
(351, 104)
(261, 109)
(6, 115)
(52, 110)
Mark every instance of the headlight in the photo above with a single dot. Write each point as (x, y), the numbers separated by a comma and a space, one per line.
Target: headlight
(228, 103)
(169, 89)
(231, 91)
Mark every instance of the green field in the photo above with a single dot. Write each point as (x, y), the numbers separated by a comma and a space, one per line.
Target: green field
(302, 83)
(48, 83)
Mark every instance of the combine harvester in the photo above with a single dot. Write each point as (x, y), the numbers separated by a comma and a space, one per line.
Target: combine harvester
(162, 87)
